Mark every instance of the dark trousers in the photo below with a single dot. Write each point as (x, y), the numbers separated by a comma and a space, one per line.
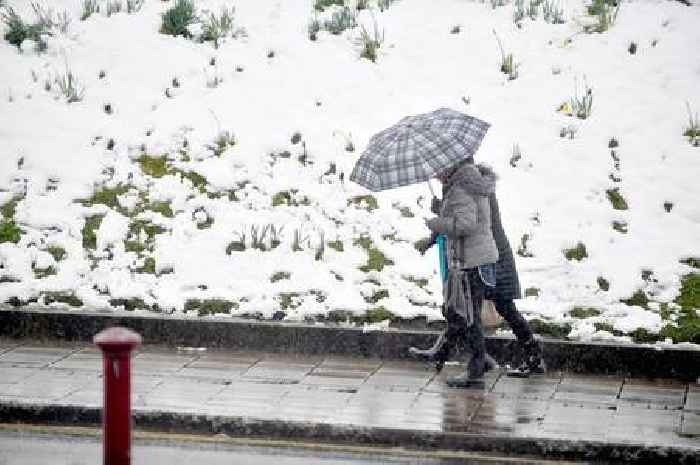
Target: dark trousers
(509, 312)
(471, 336)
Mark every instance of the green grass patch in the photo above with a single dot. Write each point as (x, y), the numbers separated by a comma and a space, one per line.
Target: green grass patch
(420, 282)
(620, 226)
(376, 260)
(148, 228)
(584, 312)
(616, 199)
(106, 196)
(134, 246)
(63, 298)
(279, 276)
(644, 336)
(92, 223)
(532, 292)
(154, 166)
(377, 314)
(547, 328)
(198, 181)
(57, 252)
(691, 261)
(210, 306)
(377, 296)
(163, 208)
(336, 245)
(286, 300)
(577, 253)
(601, 326)
(130, 304)
(281, 198)
(8, 208)
(687, 326)
(639, 299)
(9, 232)
(368, 201)
(40, 273)
(149, 266)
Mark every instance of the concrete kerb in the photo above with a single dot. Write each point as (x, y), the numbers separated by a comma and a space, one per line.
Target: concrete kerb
(237, 334)
(173, 422)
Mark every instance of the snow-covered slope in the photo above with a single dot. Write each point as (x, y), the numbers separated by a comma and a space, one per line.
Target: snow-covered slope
(188, 147)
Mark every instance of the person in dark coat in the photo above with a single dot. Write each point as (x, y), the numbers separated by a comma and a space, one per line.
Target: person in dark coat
(503, 294)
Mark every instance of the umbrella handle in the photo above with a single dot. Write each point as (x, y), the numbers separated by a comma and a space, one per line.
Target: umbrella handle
(430, 186)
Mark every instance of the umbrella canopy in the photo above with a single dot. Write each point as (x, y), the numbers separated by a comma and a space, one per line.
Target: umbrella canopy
(417, 148)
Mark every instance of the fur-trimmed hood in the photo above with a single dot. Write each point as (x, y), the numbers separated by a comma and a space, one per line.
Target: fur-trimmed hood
(475, 179)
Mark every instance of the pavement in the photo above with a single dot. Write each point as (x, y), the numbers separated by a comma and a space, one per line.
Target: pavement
(361, 401)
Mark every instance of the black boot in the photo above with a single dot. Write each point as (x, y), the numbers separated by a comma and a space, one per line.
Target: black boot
(532, 363)
(472, 377)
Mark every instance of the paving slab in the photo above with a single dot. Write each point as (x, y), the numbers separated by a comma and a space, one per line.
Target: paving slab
(367, 401)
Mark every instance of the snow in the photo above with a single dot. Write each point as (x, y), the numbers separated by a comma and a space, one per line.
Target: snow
(53, 153)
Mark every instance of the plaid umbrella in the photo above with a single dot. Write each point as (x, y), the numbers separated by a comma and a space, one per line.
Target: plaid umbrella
(417, 148)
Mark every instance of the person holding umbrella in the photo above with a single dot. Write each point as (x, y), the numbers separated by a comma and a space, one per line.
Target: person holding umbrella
(442, 144)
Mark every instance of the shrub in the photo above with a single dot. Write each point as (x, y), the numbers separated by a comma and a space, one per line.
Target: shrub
(18, 31)
(70, 87)
(692, 131)
(371, 43)
(57, 252)
(178, 17)
(90, 7)
(215, 28)
(518, 11)
(340, 21)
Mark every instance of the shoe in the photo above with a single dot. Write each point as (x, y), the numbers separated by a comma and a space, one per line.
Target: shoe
(472, 377)
(438, 353)
(532, 363)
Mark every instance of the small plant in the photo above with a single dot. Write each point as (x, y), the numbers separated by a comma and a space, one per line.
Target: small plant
(532, 292)
(362, 5)
(314, 28)
(9, 232)
(257, 237)
(584, 312)
(579, 107)
(340, 21)
(239, 244)
(508, 66)
(692, 131)
(336, 245)
(552, 12)
(154, 166)
(568, 131)
(577, 253)
(57, 252)
(298, 240)
(176, 19)
(518, 11)
(92, 223)
(224, 140)
(113, 7)
(384, 4)
(371, 43)
(516, 157)
(70, 87)
(523, 249)
(620, 226)
(606, 12)
(279, 276)
(533, 9)
(321, 249)
(456, 29)
(368, 202)
(632, 49)
(134, 6)
(497, 3)
(616, 199)
(603, 284)
(216, 28)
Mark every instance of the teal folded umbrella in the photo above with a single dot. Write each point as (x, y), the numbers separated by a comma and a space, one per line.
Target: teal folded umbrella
(442, 255)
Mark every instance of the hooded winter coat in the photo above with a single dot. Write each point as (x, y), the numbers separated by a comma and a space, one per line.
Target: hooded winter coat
(465, 217)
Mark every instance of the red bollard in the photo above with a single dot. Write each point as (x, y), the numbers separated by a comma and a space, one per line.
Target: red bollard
(117, 344)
